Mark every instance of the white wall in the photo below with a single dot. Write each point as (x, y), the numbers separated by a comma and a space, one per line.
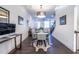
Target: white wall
(15, 11)
(65, 33)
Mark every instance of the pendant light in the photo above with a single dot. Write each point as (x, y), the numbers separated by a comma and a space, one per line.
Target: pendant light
(41, 13)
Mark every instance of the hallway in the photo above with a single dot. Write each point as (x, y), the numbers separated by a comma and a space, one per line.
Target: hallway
(60, 21)
(27, 48)
(39, 29)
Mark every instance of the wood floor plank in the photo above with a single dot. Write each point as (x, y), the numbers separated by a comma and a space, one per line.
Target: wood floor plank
(56, 48)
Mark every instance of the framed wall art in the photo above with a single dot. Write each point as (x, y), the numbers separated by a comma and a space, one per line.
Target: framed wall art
(20, 20)
(4, 15)
(63, 20)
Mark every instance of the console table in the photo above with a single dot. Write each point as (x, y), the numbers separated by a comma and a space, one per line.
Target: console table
(10, 37)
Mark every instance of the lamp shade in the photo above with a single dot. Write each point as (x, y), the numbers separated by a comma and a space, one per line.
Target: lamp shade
(41, 14)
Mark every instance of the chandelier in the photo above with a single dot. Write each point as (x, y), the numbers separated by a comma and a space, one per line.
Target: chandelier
(41, 13)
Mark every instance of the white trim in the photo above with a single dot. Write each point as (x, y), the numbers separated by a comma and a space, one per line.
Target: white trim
(75, 27)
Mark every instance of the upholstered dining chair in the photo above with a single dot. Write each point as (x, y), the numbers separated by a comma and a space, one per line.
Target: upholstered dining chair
(41, 39)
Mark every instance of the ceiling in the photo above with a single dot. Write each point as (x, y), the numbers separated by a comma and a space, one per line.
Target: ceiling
(48, 9)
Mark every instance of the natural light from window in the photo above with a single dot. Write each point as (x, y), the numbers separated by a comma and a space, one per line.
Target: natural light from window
(46, 24)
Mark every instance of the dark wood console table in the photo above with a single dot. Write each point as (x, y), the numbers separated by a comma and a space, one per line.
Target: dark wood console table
(4, 39)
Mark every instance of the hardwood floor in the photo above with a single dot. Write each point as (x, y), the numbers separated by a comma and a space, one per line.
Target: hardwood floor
(56, 48)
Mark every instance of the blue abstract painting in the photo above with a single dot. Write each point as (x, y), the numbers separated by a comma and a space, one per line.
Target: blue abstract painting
(63, 20)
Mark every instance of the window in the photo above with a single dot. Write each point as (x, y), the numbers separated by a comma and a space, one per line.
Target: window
(46, 24)
(51, 23)
(38, 24)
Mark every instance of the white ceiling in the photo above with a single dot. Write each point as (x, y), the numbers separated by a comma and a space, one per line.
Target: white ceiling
(32, 9)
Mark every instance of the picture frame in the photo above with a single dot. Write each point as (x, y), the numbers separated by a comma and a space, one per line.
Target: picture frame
(63, 20)
(4, 15)
(20, 20)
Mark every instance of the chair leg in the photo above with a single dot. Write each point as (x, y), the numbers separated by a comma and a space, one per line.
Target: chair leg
(41, 42)
(45, 43)
(37, 43)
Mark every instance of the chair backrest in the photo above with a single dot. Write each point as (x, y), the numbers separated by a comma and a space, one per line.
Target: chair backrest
(41, 36)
